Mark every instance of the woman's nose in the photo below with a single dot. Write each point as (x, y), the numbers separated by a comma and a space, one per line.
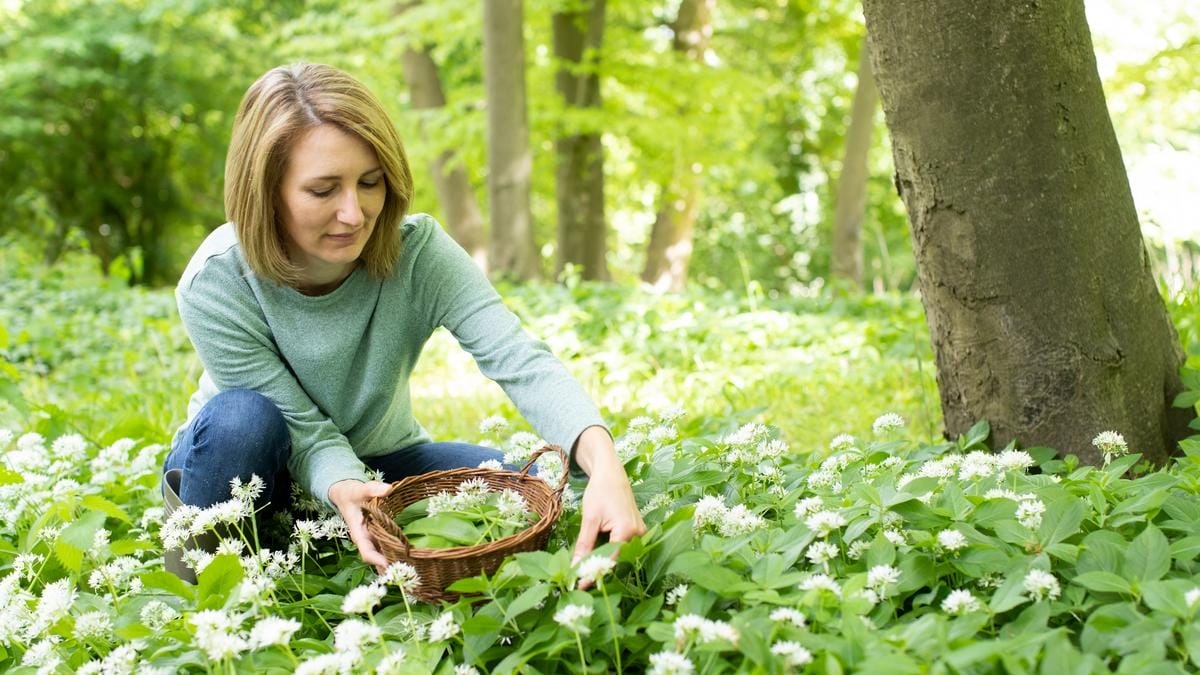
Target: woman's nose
(349, 209)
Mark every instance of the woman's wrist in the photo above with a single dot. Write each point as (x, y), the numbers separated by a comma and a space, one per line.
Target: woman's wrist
(595, 453)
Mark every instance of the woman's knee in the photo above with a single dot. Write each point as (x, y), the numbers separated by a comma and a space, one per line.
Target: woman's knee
(244, 425)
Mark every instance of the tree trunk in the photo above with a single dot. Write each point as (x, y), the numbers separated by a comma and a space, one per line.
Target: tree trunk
(670, 248)
(510, 163)
(847, 260)
(1044, 315)
(453, 188)
(580, 166)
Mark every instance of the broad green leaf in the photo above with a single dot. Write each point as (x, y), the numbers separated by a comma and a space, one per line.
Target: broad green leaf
(527, 600)
(1061, 521)
(700, 568)
(446, 526)
(214, 583)
(1102, 551)
(1105, 582)
(1168, 596)
(1011, 591)
(98, 503)
(1148, 557)
(168, 582)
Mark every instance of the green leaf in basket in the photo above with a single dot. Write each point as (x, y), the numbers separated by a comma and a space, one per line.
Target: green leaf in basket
(415, 510)
(446, 526)
(430, 541)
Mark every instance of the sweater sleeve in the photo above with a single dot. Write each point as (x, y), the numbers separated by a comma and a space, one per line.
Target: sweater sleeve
(236, 346)
(459, 297)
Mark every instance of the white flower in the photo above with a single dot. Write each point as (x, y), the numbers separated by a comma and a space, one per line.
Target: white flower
(705, 630)
(676, 594)
(216, 634)
(6, 437)
(670, 663)
(1014, 460)
(887, 422)
(95, 624)
(1002, 493)
(951, 540)
(574, 618)
(976, 465)
(710, 510)
(807, 505)
(56, 600)
(493, 464)
(896, 537)
(1029, 513)
(23, 565)
(821, 582)
(788, 615)
(821, 552)
(857, 549)
(880, 576)
(1111, 444)
(641, 423)
(772, 449)
(401, 575)
(156, 614)
(841, 442)
(824, 522)
(740, 520)
(465, 669)
(1041, 585)
(31, 442)
(825, 479)
(351, 634)
(43, 654)
(960, 602)
(390, 664)
(1192, 597)
(443, 628)
(662, 434)
(363, 599)
(594, 567)
(272, 630)
(70, 446)
(792, 653)
(512, 505)
(746, 435)
(492, 424)
(249, 491)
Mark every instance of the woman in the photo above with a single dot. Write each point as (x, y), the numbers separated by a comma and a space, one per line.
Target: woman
(309, 310)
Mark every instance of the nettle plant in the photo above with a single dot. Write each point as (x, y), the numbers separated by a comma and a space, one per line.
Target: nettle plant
(875, 554)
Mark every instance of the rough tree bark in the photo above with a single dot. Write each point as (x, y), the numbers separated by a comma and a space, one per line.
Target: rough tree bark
(580, 166)
(670, 248)
(1044, 315)
(512, 248)
(463, 218)
(847, 258)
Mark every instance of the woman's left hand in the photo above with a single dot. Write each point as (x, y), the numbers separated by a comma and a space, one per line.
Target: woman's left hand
(608, 503)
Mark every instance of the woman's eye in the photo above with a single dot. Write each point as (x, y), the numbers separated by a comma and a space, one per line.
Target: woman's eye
(321, 193)
(369, 184)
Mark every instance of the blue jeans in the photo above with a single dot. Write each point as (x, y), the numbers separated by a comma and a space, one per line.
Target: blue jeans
(241, 432)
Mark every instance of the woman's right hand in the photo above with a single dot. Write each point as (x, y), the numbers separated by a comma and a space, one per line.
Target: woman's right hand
(349, 496)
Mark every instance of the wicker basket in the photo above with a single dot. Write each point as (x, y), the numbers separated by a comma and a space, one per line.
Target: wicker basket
(440, 567)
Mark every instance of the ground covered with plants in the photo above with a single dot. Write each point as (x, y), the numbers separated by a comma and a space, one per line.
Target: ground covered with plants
(803, 515)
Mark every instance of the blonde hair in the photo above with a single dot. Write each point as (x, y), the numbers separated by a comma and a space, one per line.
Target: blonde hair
(276, 111)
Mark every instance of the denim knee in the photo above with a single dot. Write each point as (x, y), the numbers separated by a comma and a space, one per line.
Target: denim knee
(246, 429)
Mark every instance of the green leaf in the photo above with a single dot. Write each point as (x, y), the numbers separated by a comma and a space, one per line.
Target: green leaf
(1011, 591)
(446, 526)
(98, 503)
(700, 568)
(469, 585)
(1062, 520)
(1168, 596)
(168, 582)
(1148, 557)
(976, 435)
(1105, 582)
(526, 601)
(218, 579)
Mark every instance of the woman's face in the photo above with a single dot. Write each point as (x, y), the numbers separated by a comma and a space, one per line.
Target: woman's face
(331, 193)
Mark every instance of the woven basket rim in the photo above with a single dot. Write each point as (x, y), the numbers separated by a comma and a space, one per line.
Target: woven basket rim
(544, 523)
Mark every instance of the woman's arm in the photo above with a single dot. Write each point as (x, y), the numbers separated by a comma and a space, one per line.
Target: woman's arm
(608, 503)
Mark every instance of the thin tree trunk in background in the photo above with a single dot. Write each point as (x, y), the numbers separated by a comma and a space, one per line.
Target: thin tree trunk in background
(580, 165)
(453, 188)
(847, 259)
(670, 248)
(1044, 316)
(512, 248)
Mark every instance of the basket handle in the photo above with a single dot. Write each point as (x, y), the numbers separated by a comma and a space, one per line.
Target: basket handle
(371, 510)
(562, 483)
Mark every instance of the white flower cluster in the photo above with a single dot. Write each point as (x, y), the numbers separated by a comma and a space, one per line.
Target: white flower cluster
(792, 653)
(728, 521)
(520, 446)
(704, 631)
(670, 663)
(880, 577)
(1110, 443)
(821, 553)
(951, 540)
(1041, 585)
(821, 582)
(493, 424)
(822, 523)
(960, 602)
(304, 532)
(592, 568)
(119, 573)
(789, 615)
(123, 659)
(443, 628)
(1030, 512)
(887, 422)
(575, 618)
(470, 494)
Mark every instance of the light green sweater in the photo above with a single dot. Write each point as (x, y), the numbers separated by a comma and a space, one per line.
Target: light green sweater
(338, 365)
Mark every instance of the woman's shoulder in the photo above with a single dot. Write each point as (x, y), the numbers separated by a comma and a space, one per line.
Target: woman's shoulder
(219, 256)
